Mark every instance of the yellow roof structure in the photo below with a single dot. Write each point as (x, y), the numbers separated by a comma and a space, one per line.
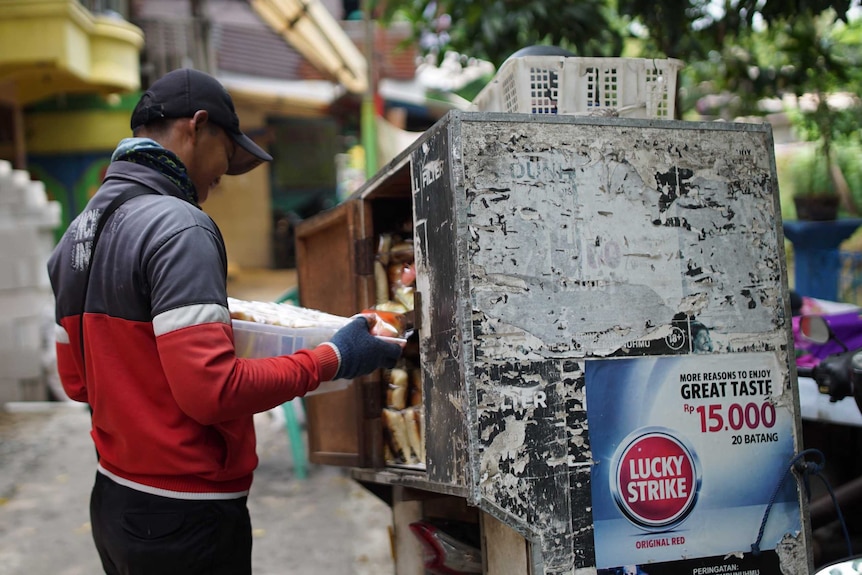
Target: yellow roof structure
(309, 27)
(50, 47)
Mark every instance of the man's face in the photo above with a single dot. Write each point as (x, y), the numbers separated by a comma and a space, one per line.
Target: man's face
(213, 151)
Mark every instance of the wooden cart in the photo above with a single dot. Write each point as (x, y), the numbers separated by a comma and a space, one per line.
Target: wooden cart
(604, 341)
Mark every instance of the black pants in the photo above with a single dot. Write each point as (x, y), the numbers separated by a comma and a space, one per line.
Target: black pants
(141, 534)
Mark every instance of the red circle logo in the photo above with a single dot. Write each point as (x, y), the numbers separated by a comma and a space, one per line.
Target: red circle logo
(655, 483)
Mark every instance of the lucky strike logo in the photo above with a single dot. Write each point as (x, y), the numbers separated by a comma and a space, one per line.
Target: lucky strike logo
(655, 479)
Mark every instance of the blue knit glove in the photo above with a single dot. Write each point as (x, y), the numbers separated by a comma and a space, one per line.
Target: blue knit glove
(359, 352)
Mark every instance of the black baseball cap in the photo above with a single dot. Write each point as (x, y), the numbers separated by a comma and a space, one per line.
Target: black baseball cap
(181, 93)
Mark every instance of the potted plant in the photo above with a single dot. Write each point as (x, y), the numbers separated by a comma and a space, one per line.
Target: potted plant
(822, 71)
(813, 185)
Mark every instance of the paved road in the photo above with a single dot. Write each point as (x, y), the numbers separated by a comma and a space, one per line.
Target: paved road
(326, 524)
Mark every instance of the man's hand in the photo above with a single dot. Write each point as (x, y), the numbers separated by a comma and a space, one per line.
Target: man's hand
(359, 352)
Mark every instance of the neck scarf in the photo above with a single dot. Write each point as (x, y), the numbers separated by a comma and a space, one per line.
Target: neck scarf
(147, 152)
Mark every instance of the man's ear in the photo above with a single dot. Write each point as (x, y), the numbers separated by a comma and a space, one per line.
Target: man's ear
(200, 119)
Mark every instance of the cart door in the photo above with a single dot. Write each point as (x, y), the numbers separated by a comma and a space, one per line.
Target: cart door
(334, 256)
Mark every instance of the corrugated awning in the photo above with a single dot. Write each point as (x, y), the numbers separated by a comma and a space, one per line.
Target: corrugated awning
(309, 27)
(306, 97)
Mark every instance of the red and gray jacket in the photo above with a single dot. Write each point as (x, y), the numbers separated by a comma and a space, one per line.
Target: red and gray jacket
(172, 404)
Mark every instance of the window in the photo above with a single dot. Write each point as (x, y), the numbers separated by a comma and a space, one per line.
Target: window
(121, 7)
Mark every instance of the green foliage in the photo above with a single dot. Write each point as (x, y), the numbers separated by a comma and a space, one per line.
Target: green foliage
(849, 159)
(815, 53)
(750, 48)
(747, 49)
(803, 172)
(494, 29)
(669, 26)
(809, 49)
(845, 125)
(808, 173)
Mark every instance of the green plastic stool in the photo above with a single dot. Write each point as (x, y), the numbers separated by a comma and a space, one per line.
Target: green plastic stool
(294, 437)
(291, 296)
(291, 424)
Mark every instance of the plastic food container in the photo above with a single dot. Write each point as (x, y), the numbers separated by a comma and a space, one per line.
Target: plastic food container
(253, 340)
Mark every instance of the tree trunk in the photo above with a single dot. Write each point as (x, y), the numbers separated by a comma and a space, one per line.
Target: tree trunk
(842, 189)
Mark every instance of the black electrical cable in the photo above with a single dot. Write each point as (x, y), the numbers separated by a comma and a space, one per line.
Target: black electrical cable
(804, 469)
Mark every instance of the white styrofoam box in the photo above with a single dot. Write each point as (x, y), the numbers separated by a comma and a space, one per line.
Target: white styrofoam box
(8, 390)
(10, 195)
(22, 389)
(17, 189)
(20, 236)
(15, 273)
(51, 215)
(14, 188)
(5, 179)
(43, 245)
(33, 389)
(23, 272)
(45, 217)
(24, 332)
(24, 302)
(38, 196)
(627, 87)
(20, 363)
(40, 277)
(17, 237)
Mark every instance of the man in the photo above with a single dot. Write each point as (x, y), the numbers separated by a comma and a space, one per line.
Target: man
(144, 336)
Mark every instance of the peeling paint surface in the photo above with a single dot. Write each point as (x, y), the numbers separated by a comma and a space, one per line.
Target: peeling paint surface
(791, 552)
(576, 241)
(448, 401)
(565, 222)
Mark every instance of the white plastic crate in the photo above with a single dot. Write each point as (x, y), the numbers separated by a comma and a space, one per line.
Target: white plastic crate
(625, 87)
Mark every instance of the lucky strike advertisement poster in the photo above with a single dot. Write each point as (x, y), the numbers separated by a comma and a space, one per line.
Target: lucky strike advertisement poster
(687, 452)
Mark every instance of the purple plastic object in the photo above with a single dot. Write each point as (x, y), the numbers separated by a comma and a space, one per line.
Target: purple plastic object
(846, 326)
